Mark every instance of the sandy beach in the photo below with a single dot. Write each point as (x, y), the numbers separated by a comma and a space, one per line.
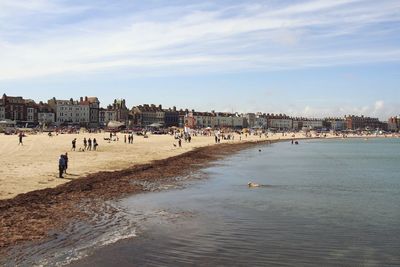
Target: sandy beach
(34, 165)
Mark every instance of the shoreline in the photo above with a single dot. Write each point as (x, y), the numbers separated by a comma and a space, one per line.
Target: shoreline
(25, 217)
(34, 165)
(32, 216)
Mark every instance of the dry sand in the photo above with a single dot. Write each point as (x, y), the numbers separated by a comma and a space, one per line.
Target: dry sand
(35, 165)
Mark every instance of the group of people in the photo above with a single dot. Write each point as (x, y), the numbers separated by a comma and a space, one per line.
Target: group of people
(185, 136)
(129, 139)
(88, 144)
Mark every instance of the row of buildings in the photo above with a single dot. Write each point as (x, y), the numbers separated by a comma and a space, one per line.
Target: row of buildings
(87, 112)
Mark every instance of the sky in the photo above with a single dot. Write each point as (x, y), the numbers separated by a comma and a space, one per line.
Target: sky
(303, 58)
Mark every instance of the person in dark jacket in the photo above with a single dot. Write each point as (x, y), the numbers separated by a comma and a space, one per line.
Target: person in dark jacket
(95, 144)
(20, 137)
(65, 162)
(73, 145)
(89, 147)
(61, 166)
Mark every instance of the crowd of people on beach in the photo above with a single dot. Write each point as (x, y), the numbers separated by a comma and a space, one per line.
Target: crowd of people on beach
(89, 144)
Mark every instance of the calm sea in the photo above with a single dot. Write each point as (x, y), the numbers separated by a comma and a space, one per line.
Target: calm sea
(323, 203)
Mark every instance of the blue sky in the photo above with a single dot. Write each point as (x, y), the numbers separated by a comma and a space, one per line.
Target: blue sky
(311, 58)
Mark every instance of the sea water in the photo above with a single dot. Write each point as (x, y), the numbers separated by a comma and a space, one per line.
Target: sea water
(321, 203)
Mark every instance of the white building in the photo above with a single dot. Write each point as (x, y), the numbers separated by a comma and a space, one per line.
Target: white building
(31, 114)
(223, 120)
(261, 121)
(238, 121)
(70, 111)
(107, 115)
(46, 115)
(337, 124)
(251, 120)
(279, 122)
(46, 118)
(203, 119)
(313, 124)
(94, 108)
(305, 123)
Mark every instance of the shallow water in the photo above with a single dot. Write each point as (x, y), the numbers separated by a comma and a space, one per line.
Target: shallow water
(330, 203)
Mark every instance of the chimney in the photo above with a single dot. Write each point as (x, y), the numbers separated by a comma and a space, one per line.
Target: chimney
(160, 106)
(81, 99)
(86, 98)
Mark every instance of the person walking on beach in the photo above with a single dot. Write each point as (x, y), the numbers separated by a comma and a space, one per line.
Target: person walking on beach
(21, 135)
(125, 139)
(95, 144)
(73, 145)
(89, 144)
(84, 143)
(61, 166)
(180, 142)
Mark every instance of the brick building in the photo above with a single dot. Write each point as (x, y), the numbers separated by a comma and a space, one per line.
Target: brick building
(14, 108)
(394, 124)
(146, 115)
(363, 123)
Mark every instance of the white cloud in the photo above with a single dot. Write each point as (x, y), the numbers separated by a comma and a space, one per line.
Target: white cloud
(379, 105)
(378, 109)
(255, 37)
